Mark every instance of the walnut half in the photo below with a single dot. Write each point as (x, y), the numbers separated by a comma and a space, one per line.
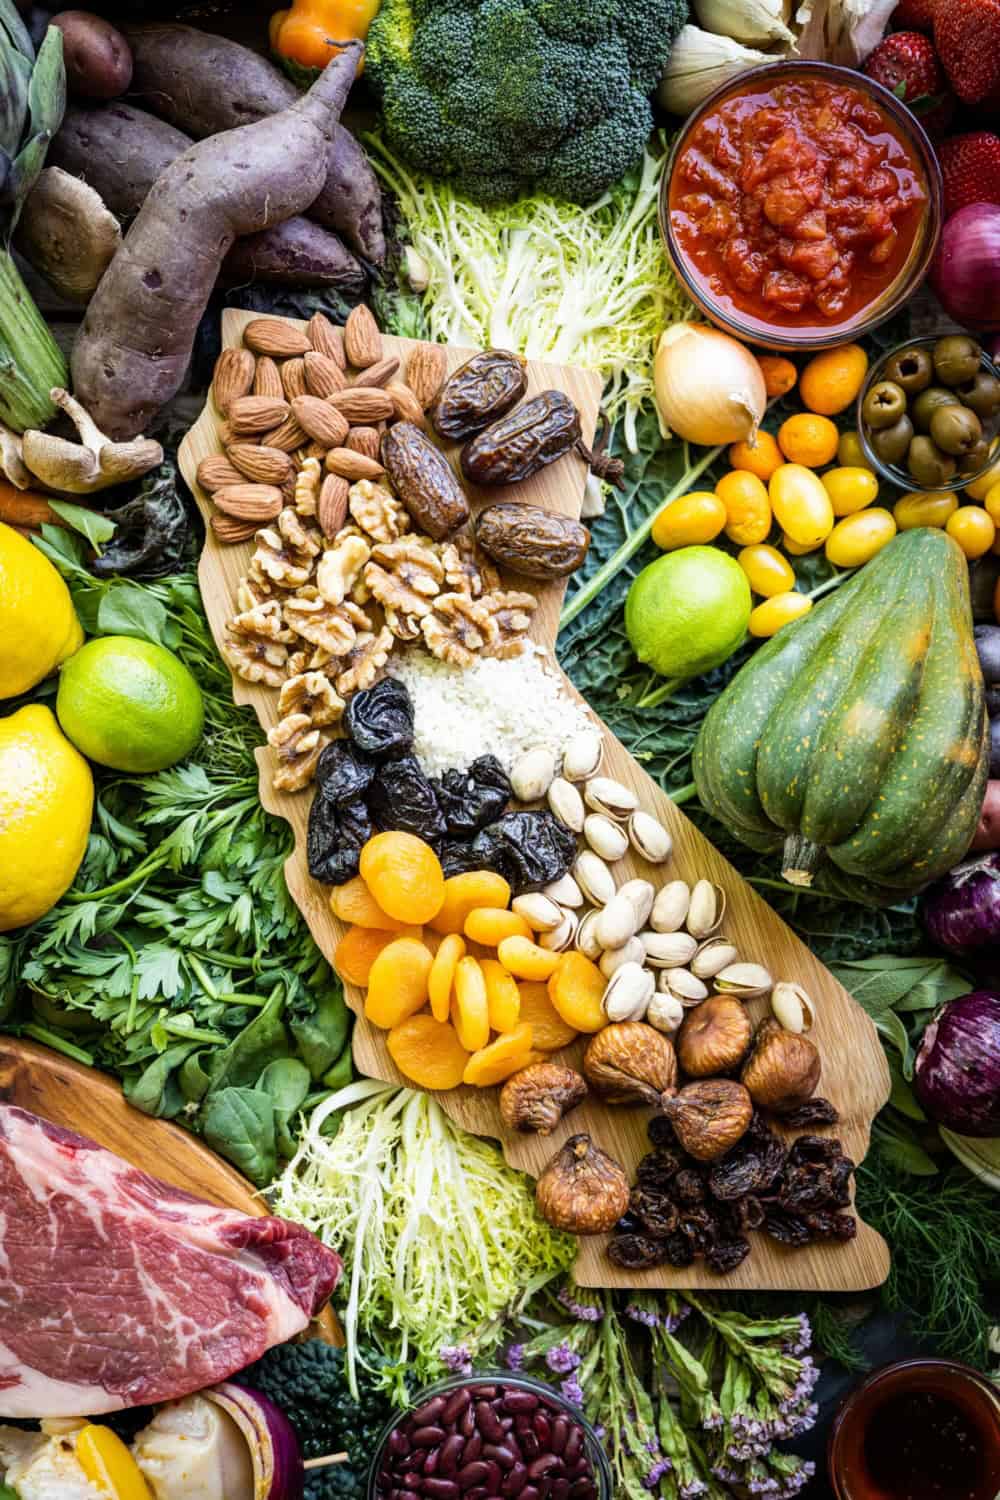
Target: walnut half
(298, 746)
(459, 628)
(257, 648)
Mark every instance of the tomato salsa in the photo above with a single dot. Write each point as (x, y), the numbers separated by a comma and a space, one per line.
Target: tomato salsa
(796, 203)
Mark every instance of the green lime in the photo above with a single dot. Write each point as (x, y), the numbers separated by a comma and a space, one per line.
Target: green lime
(129, 704)
(688, 611)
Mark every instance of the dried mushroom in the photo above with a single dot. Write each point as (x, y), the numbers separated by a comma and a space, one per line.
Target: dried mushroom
(783, 1069)
(714, 1037)
(709, 1117)
(631, 1063)
(535, 1100)
(582, 1190)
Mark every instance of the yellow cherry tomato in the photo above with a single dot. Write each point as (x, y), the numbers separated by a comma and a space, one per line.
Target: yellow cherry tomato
(748, 509)
(694, 518)
(794, 550)
(768, 618)
(832, 380)
(801, 505)
(779, 374)
(809, 440)
(109, 1465)
(924, 508)
(856, 539)
(992, 503)
(762, 459)
(980, 488)
(767, 571)
(973, 530)
(850, 452)
(850, 488)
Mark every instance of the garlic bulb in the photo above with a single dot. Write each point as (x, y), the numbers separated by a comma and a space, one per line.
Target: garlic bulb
(744, 20)
(700, 62)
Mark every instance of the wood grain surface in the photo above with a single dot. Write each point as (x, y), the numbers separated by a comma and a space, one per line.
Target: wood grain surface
(80, 1099)
(855, 1074)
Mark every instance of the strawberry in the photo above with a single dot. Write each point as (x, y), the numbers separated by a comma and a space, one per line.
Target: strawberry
(970, 166)
(913, 15)
(906, 64)
(967, 38)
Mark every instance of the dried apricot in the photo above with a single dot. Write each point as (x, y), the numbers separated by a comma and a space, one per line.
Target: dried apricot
(487, 925)
(576, 990)
(500, 1059)
(549, 1031)
(428, 1052)
(471, 1010)
(354, 902)
(525, 959)
(360, 947)
(404, 875)
(502, 996)
(463, 893)
(442, 975)
(397, 984)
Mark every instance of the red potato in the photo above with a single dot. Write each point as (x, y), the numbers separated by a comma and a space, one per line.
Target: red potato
(987, 835)
(133, 348)
(97, 57)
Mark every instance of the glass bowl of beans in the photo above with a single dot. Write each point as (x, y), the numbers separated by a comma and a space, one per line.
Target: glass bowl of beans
(483, 1437)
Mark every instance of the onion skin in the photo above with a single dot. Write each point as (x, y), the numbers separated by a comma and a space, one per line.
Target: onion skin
(274, 1448)
(957, 1072)
(961, 911)
(709, 387)
(966, 270)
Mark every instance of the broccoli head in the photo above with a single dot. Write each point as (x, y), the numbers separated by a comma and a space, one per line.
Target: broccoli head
(506, 97)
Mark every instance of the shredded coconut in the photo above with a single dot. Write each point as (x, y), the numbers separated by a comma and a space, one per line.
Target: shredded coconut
(493, 707)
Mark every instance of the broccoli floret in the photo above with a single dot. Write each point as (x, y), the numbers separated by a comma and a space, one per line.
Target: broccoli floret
(506, 97)
(308, 1382)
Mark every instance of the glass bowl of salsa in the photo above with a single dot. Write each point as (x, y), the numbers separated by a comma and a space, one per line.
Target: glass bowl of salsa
(801, 205)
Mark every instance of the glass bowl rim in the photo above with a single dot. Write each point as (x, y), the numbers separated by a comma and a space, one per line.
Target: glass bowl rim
(899, 477)
(792, 340)
(493, 1376)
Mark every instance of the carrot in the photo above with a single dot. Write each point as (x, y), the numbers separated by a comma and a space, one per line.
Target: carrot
(25, 508)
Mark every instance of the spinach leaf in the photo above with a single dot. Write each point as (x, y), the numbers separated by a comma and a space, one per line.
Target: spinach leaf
(287, 1082)
(239, 1124)
(320, 1033)
(243, 1061)
(194, 1077)
(155, 1091)
(126, 609)
(89, 523)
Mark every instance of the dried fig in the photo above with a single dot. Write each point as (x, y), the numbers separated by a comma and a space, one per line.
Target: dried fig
(537, 1098)
(783, 1069)
(631, 1063)
(714, 1037)
(582, 1190)
(710, 1117)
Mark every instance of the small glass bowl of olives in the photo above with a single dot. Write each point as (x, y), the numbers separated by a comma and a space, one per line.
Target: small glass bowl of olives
(928, 412)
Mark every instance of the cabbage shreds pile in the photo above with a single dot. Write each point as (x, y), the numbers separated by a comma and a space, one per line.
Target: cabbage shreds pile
(440, 1238)
(553, 281)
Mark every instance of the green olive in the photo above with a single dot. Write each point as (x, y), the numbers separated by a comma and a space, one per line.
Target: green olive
(927, 403)
(884, 404)
(975, 459)
(892, 442)
(928, 465)
(956, 429)
(956, 358)
(981, 393)
(911, 369)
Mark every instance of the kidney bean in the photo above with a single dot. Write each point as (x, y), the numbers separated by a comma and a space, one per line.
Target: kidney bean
(488, 1423)
(542, 1428)
(428, 1414)
(431, 1465)
(414, 1461)
(399, 1442)
(455, 1406)
(450, 1452)
(559, 1489)
(559, 1435)
(481, 1492)
(486, 1392)
(441, 1489)
(583, 1489)
(504, 1456)
(473, 1448)
(405, 1495)
(530, 1446)
(544, 1464)
(506, 1423)
(517, 1401)
(413, 1479)
(531, 1492)
(470, 1474)
(492, 1480)
(467, 1425)
(427, 1437)
(574, 1446)
(515, 1481)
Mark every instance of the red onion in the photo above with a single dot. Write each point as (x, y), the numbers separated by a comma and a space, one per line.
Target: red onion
(966, 270)
(992, 347)
(961, 912)
(957, 1072)
(274, 1448)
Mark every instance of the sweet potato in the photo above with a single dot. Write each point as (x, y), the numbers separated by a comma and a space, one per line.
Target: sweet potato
(296, 253)
(133, 348)
(97, 57)
(204, 84)
(987, 834)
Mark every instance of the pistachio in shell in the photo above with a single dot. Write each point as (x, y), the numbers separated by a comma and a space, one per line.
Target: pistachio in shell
(783, 1070)
(631, 1063)
(583, 1190)
(709, 1117)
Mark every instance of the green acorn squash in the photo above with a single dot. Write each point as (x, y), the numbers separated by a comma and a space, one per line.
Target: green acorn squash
(856, 738)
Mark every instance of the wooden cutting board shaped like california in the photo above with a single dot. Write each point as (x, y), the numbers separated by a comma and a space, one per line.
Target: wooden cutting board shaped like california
(855, 1074)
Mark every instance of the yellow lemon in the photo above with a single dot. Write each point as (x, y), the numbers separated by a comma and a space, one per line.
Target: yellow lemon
(46, 801)
(38, 624)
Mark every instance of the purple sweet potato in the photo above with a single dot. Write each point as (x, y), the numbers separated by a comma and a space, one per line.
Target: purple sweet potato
(296, 253)
(133, 347)
(203, 84)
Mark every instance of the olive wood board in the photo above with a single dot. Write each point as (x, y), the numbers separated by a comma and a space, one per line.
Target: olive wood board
(78, 1098)
(855, 1072)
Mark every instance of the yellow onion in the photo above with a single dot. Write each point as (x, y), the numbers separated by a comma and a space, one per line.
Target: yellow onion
(709, 388)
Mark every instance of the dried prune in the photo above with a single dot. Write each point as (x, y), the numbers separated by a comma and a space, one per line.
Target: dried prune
(656, 1213)
(813, 1112)
(736, 1174)
(343, 772)
(529, 849)
(379, 719)
(402, 797)
(689, 1188)
(637, 1252)
(785, 1227)
(472, 798)
(334, 839)
(458, 858)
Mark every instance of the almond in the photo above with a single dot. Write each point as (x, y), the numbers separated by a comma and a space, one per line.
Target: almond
(293, 378)
(323, 375)
(366, 440)
(321, 420)
(327, 339)
(362, 405)
(378, 375)
(406, 406)
(287, 437)
(425, 371)
(229, 530)
(331, 507)
(275, 336)
(256, 414)
(362, 340)
(352, 466)
(267, 379)
(232, 377)
(261, 464)
(225, 434)
(216, 470)
(249, 502)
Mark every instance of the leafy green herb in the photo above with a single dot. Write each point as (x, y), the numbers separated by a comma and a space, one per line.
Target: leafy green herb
(888, 987)
(239, 1124)
(89, 523)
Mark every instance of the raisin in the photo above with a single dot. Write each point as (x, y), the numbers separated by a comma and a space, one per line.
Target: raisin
(727, 1255)
(529, 849)
(662, 1134)
(472, 798)
(677, 1250)
(334, 840)
(786, 1228)
(379, 719)
(813, 1112)
(656, 1213)
(689, 1187)
(772, 1164)
(637, 1252)
(817, 1149)
(735, 1174)
(656, 1171)
(805, 1189)
(628, 1224)
(343, 772)
(402, 797)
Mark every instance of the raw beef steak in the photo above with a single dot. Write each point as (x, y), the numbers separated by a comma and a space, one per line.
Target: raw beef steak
(117, 1290)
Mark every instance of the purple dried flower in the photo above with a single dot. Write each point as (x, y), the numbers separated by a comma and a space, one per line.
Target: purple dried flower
(692, 1489)
(456, 1358)
(562, 1359)
(656, 1473)
(584, 1312)
(572, 1391)
(514, 1358)
(798, 1343)
(644, 1315)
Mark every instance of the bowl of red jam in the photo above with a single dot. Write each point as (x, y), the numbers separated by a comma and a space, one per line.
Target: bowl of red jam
(801, 205)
